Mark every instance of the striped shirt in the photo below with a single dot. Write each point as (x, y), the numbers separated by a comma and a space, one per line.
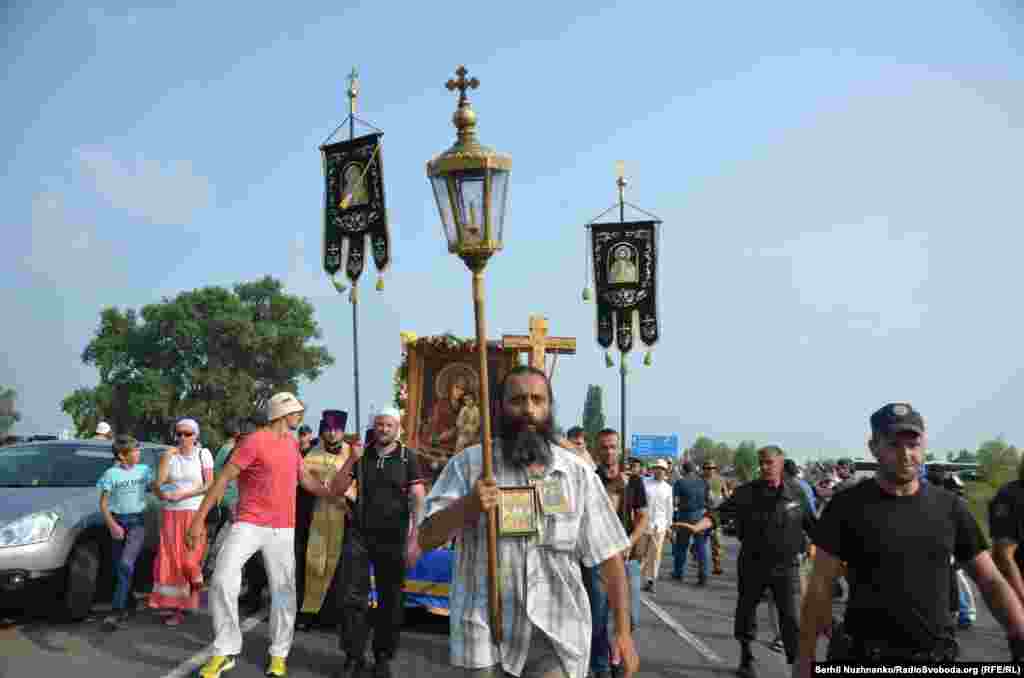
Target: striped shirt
(539, 577)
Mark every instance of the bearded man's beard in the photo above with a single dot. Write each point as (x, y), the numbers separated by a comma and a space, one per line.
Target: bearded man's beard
(334, 447)
(523, 447)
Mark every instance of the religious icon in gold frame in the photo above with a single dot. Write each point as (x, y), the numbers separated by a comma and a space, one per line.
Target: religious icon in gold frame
(517, 512)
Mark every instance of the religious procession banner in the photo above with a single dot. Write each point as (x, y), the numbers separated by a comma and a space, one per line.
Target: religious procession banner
(354, 206)
(625, 263)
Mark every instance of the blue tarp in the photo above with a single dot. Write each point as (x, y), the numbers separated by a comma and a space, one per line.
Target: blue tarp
(426, 583)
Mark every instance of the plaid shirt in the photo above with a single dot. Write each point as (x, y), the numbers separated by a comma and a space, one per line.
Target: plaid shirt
(539, 577)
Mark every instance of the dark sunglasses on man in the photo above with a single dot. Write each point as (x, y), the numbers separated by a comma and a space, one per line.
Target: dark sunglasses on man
(184, 434)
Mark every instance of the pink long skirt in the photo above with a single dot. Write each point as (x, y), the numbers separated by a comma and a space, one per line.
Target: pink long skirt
(177, 571)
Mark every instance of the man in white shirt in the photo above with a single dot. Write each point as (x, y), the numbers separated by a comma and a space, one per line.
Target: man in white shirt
(659, 504)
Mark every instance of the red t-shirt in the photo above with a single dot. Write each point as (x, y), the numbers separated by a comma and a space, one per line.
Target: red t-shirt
(270, 467)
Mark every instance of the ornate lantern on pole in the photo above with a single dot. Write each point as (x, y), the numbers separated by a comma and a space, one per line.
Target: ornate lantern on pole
(470, 185)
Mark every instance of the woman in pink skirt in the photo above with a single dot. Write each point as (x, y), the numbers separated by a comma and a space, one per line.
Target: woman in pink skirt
(185, 474)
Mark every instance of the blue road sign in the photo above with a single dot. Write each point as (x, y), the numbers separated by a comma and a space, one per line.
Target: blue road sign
(655, 446)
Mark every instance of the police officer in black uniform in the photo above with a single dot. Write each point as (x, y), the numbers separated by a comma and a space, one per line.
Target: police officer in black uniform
(897, 535)
(390, 502)
(772, 516)
(1006, 525)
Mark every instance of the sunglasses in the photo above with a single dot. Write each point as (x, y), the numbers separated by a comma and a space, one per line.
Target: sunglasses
(184, 434)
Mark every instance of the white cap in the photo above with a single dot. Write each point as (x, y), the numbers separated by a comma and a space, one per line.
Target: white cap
(282, 404)
(391, 412)
(661, 463)
(103, 428)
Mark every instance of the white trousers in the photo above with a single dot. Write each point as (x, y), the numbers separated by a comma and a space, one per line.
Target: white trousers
(277, 547)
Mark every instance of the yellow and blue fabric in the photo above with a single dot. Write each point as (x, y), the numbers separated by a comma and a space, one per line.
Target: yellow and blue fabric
(427, 583)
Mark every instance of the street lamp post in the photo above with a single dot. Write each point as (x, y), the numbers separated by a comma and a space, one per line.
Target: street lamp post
(470, 185)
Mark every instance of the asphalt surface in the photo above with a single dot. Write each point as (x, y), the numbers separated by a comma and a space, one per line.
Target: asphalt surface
(683, 630)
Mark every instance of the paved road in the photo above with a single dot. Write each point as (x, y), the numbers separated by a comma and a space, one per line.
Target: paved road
(683, 631)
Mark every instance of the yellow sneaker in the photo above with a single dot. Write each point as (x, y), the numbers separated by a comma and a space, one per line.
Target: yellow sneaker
(216, 665)
(276, 667)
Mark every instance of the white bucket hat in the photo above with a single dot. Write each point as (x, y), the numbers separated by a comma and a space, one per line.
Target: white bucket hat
(103, 428)
(661, 463)
(282, 404)
(391, 412)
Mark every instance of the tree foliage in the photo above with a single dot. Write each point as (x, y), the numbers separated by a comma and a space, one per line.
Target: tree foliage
(593, 415)
(997, 462)
(212, 354)
(746, 461)
(9, 415)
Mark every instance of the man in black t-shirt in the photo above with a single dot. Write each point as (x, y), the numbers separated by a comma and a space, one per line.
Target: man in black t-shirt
(382, 532)
(1006, 525)
(897, 536)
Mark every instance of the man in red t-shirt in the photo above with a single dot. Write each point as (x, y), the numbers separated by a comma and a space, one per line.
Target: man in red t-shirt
(268, 468)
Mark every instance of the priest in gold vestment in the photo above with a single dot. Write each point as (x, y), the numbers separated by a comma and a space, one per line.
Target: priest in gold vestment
(327, 530)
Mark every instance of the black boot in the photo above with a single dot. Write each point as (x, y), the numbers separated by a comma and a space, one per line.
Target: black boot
(352, 668)
(746, 668)
(382, 668)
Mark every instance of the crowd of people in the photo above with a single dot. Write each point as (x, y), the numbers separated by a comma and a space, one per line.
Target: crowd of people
(318, 513)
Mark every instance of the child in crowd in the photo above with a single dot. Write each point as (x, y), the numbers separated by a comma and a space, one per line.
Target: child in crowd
(123, 489)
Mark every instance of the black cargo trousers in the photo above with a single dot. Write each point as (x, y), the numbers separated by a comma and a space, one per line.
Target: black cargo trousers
(385, 549)
(754, 575)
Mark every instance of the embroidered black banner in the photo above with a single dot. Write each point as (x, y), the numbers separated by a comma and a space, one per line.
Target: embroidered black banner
(625, 257)
(354, 206)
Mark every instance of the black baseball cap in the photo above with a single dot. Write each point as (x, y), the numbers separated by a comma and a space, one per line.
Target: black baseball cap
(896, 417)
(845, 461)
(304, 429)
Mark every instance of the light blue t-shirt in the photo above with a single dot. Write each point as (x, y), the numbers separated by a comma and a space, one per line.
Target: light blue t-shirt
(127, 487)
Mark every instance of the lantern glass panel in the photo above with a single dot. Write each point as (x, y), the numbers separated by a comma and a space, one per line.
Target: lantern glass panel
(470, 196)
(444, 208)
(499, 202)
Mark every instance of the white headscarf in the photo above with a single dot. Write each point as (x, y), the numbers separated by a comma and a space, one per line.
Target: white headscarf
(192, 424)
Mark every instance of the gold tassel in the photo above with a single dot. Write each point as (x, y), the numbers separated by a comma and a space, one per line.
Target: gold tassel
(586, 294)
(608, 362)
(338, 285)
(380, 282)
(647, 358)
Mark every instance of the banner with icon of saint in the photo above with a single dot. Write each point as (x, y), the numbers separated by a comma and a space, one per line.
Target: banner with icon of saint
(625, 265)
(354, 206)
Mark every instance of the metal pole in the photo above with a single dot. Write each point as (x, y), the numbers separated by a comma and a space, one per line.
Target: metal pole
(621, 183)
(355, 353)
(353, 93)
(622, 373)
(493, 598)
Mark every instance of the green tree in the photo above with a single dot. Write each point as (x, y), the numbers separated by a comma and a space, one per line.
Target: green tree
(8, 414)
(212, 354)
(745, 461)
(593, 415)
(997, 462)
(965, 456)
(702, 448)
(951, 455)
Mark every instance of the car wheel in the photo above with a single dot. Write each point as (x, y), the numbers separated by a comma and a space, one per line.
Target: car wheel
(80, 588)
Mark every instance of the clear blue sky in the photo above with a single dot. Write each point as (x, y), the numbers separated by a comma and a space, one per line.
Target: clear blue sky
(840, 187)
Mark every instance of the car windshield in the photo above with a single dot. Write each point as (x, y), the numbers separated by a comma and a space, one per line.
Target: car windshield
(55, 466)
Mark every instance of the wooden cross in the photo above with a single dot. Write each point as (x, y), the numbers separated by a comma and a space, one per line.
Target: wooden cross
(538, 343)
